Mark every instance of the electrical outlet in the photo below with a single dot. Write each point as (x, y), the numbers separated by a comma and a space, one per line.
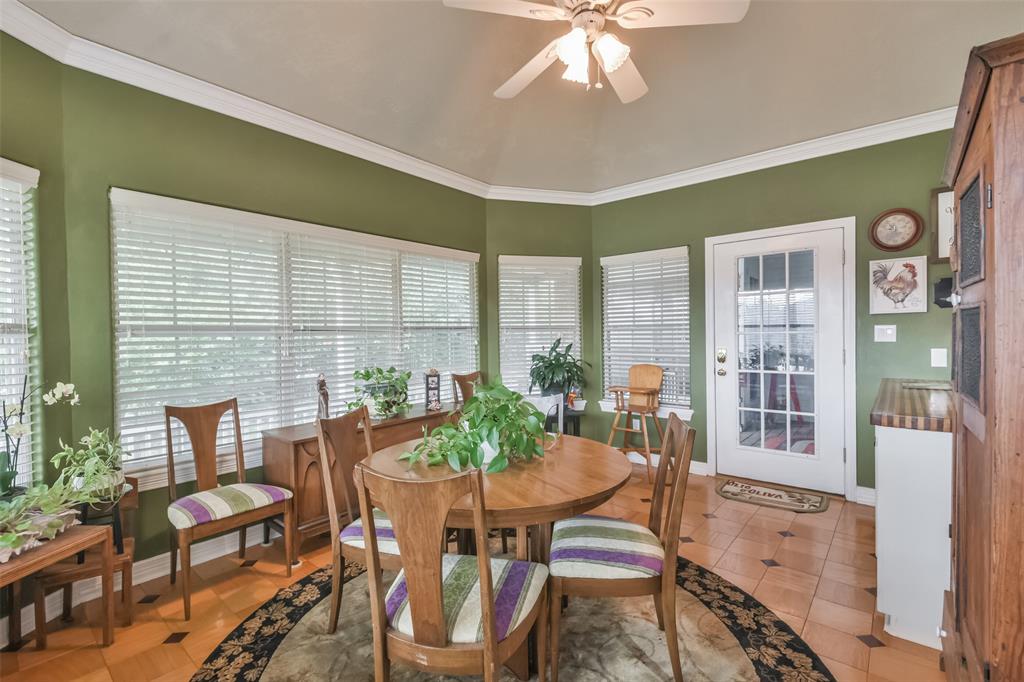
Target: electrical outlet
(940, 357)
(885, 333)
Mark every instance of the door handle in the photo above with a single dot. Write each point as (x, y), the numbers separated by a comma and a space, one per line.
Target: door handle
(720, 355)
(721, 371)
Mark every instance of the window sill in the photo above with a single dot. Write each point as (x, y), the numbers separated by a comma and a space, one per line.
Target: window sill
(152, 474)
(684, 413)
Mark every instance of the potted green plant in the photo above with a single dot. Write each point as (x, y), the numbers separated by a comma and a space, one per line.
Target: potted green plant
(556, 371)
(497, 426)
(41, 513)
(385, 392)
(95, 468)
(13, 424)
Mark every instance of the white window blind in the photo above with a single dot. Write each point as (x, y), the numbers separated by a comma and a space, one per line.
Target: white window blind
(211, 303)
(538, 302)
(646, 315)
(18, 355)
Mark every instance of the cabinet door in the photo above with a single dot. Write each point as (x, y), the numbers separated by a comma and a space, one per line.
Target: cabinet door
(972, 540)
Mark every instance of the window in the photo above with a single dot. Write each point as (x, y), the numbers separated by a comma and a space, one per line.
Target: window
(212, 302)
(646, 314)
(538, 302)
(17, 301)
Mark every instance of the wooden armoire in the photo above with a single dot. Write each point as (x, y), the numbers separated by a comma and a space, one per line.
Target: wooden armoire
(983, 620)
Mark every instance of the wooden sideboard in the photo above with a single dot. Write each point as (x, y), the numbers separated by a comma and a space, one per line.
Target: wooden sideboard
(291, 459)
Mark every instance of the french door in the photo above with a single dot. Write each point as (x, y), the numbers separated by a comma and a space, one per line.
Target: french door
(778, 358)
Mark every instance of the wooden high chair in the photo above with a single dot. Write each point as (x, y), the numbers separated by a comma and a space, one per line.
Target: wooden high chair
(642, 400)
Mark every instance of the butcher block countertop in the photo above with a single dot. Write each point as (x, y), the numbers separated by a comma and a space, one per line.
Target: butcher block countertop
(929, 408)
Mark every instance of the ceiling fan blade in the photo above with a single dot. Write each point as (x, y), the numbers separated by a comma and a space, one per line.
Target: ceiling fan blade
(626, 80)
(526, 75)
(515, 8)
(655, 13)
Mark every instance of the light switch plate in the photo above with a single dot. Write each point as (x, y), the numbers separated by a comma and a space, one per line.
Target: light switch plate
(885, 333)
(940, 357)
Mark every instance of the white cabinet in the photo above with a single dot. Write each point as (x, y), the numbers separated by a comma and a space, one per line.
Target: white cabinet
(913, 479)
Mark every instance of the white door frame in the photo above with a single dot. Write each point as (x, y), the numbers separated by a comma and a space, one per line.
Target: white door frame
(849, 226)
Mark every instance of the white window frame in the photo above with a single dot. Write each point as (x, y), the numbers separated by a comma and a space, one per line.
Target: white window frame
(24, 180)
(152, 471)
(682, 410)
(569, 267)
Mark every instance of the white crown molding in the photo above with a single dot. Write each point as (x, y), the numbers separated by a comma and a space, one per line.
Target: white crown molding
(22, 23)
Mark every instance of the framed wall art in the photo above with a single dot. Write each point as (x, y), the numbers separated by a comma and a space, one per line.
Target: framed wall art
(899, 285)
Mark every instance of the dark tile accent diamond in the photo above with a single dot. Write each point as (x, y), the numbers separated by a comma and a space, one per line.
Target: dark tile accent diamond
(870, 640)
(770, 562)
(786, 534)
(710, 516)
(149, 598)
(175, 637)
(248, 563)
(645, 499)
(873, 556)
(873, 591)
(685, 538)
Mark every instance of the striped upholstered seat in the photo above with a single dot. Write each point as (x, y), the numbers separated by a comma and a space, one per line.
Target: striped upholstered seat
(517, 586)
(352, 534)
(223, 502)
(600, 547)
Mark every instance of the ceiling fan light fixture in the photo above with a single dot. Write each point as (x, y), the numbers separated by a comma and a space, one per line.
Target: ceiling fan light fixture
(613, 51)
(572, 47)
(578, 72)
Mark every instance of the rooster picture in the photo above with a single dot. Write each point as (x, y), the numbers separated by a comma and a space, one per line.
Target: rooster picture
(897, 288)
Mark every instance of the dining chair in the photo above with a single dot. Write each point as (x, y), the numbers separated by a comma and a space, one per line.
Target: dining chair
(640, 397)
(216, 508)
(463, 385)
(595, 556)
(338, 438)
(89, 564)
(446, 613)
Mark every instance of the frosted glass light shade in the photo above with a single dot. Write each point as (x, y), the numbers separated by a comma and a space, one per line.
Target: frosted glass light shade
(578, 71)
(614, 52)
(572, 47)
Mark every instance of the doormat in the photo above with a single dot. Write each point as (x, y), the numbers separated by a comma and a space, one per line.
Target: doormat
(770, 496)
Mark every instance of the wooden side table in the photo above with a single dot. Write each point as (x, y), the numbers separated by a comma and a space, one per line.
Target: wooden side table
(65, 545)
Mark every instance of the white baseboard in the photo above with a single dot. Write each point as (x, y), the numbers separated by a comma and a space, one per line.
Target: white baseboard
(143, 571)
(696, 468)
(865, 496)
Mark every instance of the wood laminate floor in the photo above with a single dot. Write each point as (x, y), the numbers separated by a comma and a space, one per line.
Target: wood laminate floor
(816, 571)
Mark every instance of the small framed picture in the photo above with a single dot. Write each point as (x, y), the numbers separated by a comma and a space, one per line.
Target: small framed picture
(899, 285)
(942, 224)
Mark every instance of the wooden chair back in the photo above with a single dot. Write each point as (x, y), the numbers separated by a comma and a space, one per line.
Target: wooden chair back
(418, 510)
(647, 377)
(339, 451)
(464, 384)
(201, 423)
(670, 488)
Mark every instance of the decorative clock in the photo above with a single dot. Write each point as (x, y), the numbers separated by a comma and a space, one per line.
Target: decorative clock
(896, 229)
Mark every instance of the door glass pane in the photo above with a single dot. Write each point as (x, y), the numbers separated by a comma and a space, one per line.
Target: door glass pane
(750, 389)
(801, 392)
(749, 271)
(801, 434)
(774, 391)
(776, 333)
(775, 431)
(750, 428)
(774, 272)
(801, 270)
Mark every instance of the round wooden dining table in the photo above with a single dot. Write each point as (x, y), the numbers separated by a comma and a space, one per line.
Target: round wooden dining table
(574, 476)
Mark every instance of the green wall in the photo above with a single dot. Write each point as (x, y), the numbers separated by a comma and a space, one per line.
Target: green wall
(860, 183)
(86, 134)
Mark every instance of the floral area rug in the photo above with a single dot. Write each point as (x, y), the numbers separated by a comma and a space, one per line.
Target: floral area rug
(724, 633)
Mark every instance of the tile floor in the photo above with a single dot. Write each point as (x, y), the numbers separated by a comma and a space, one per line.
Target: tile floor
(816, 571)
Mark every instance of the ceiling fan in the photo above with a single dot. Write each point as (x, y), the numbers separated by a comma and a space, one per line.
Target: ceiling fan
(588, 18)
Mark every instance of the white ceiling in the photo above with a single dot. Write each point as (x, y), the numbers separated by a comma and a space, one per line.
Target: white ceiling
(417, 77)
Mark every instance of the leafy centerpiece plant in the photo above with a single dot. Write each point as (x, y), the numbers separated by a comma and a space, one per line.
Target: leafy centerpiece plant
(497, 426)
(385, 392)
(556, 371)
(96, 467)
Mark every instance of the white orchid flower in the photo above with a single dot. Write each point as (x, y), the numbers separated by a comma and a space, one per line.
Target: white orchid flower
(75, 400)
(17, 430)
(49, 399)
